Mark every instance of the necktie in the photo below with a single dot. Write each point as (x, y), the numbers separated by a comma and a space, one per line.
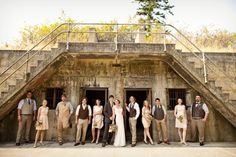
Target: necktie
(29, 101)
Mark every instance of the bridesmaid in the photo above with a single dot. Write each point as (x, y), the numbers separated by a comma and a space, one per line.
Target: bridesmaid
(42, 123)
(97, 121)
(181, 121)
(146, 120)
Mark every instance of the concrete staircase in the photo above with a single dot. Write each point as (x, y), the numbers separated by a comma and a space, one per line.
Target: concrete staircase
(41, 65)
(219, 91)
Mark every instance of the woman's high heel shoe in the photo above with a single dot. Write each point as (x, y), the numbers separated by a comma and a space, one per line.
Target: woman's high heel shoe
(145, 141)
(151, 142)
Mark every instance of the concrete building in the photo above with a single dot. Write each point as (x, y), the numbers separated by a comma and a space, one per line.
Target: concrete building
(97, 69)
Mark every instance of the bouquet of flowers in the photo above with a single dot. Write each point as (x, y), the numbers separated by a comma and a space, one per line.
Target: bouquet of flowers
(112, 128)
(38, 123)
(180, 118)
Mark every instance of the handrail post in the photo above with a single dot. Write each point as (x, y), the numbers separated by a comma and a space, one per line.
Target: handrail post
(67, 38)
(165, 38)
(27, 68)
(204, 67)
(116, 39)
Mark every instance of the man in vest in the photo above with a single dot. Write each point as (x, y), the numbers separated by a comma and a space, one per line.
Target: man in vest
(159, 114)
(134, 111)
(199, 112)
(26, 113)
(64, 111)
(82, 119)
(107, 111)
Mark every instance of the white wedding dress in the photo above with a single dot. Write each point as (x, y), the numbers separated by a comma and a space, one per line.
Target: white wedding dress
(120, 133)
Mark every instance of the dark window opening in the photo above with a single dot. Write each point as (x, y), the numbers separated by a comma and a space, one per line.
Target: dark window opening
(174, 94)
(53, 96)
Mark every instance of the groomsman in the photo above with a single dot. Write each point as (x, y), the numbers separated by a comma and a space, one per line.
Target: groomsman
(159, 114)
(26, 114)
(199, 112)
(82, 119)
(64, 111)
(107, 111)
(134, 111)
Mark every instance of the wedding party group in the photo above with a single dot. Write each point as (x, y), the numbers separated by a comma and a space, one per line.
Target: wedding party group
(110, 118)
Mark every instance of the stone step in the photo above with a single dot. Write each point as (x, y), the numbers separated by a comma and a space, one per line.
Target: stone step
(219, 90)
(11, 87)
(3, 94)
(233, 102)
(225, 97)
(212, 83)
(192, 64)
(32, 68)
(199, 70)
(40, 61)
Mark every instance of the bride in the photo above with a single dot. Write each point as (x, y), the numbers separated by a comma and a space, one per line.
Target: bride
(118, 117)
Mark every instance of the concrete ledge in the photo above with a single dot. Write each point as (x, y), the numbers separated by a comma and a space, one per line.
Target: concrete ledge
(111, 47)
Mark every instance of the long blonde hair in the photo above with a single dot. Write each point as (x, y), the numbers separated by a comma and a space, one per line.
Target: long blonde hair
(146, 102)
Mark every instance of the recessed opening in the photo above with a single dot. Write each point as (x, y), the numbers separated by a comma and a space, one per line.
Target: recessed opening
(140, 95)
(92, 94)
(174, 94)
(53, 96)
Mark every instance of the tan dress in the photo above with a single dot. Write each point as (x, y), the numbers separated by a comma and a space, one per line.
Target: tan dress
(181, 112)
(146, 117)
(97, 121)
(43, 118)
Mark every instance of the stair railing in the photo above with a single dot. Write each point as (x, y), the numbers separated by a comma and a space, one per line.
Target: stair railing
(206, 61)
(72, 25)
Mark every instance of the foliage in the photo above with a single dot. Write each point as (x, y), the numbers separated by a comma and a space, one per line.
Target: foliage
(154, 10)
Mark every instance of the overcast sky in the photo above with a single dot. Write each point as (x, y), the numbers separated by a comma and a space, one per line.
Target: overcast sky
(15, 14)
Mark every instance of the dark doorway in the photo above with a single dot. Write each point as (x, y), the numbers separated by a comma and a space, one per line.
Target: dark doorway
(92, 94)
(140, 95)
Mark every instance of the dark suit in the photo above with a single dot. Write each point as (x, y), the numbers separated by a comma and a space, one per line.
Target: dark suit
(107, 111)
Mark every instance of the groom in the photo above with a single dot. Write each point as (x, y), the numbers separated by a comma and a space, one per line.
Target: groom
(134, 111)
(107, 111)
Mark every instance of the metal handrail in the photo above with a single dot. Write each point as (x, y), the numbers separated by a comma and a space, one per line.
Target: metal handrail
(30, 58)
(28, 51)
(204, 56)
(71, 25)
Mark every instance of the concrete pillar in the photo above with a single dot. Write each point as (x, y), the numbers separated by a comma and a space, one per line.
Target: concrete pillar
(140, 36)
(92, 37)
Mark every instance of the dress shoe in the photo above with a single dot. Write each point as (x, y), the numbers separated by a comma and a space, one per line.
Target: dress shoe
(76, 144)
(27, 142)
(83, 143)
(104, 144)
(159, 142)
(60, 143)
(133, 145)
(167, 142)
(201, 143)
(17, 144)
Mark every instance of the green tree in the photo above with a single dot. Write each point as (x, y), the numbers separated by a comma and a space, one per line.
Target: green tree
(153, 10)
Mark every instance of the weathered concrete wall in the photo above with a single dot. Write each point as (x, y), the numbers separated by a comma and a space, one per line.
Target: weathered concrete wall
(155, 75)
